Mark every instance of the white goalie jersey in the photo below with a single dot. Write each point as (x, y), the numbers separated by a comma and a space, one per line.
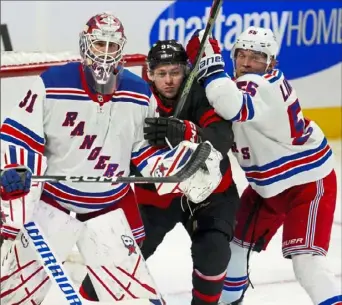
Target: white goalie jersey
(274, 158)
(61, 128)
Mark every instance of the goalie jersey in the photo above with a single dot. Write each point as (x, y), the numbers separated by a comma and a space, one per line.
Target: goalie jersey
(274, 144)
(60, 127)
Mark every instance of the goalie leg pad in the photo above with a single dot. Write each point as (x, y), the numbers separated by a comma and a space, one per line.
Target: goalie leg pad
(23, 279)
(132, 213)
(114, 262)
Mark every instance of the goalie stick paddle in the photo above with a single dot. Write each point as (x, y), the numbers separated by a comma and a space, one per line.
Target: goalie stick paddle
(196, 161)
(189, 81)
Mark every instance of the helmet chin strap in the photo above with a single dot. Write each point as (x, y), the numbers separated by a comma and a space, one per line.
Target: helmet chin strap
(269, 61)
(267, 67)
(234, 69)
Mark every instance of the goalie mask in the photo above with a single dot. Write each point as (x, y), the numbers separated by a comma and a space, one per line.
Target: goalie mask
(101, 47)
(258, 40)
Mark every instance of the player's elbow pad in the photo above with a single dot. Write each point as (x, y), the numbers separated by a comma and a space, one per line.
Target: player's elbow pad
(224, 97)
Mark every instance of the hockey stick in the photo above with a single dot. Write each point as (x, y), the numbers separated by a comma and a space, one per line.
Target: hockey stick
(189, 81)
(196, 161)
(54, 268)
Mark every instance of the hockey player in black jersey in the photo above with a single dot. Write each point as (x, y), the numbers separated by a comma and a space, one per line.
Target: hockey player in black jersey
(210, 224)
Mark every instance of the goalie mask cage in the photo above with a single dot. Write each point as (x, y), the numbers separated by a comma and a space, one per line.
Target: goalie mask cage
(14, 64)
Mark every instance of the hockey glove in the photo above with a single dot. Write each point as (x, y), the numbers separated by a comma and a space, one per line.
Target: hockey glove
(196, 188)
(172, 129)
(211, 61)
(15, 181)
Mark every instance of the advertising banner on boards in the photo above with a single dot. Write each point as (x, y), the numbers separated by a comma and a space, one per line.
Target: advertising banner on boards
(305, 30)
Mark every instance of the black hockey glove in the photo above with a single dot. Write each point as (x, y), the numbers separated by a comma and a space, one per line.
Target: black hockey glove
(173, 129)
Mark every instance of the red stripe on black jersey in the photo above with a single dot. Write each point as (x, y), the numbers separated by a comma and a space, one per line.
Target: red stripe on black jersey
(209, 117)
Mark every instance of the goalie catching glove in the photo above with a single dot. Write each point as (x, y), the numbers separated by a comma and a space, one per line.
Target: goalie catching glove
(200, 185)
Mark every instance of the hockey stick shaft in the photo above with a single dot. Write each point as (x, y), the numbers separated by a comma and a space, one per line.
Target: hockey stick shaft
(215, 8)
(196, 161)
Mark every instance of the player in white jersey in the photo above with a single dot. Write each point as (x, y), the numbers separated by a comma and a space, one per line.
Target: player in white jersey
(85, 119)
(286, 158)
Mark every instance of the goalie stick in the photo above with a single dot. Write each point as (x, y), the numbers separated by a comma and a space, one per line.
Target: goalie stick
(189, 81)
(196, 161)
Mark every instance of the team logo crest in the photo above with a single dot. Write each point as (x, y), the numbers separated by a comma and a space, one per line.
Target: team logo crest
(24, 240)
(160, 170)
(129, 244)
